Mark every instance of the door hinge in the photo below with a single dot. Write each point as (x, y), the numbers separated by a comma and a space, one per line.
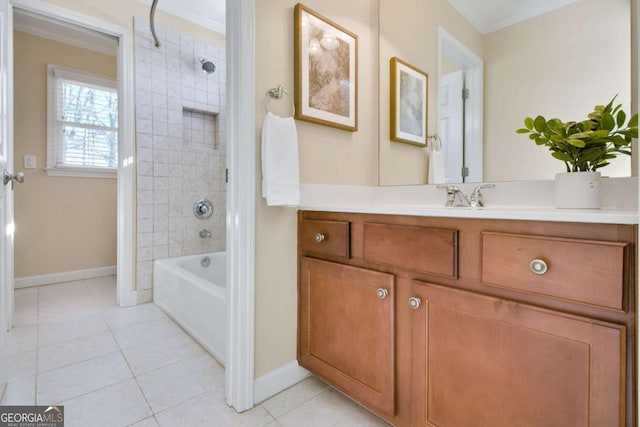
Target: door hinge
(226, 175)
(465, 93)
(465, 171)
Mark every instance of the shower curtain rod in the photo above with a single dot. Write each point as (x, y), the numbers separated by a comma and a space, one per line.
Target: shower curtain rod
(152, 23)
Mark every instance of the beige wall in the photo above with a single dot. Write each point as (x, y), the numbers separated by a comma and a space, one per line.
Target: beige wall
(327, 156)
(62, 224)
(409, 30)
(538, 79)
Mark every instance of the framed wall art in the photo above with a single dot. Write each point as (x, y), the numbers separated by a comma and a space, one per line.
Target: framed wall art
(409, 102)
(326, 71)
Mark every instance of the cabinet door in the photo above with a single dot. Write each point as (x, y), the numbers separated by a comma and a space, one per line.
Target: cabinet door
(345, 330)
(483, 361)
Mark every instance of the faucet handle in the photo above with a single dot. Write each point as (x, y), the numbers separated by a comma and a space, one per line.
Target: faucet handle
(476, 196)
(452, 190)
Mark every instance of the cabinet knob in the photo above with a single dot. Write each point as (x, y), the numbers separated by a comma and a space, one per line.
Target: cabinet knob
(538, 266)
(320, 238)
(382, 293)
(414, 302)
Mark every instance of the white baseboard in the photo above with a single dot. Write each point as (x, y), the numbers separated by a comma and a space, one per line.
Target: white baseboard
(67, 276)
(279, 379)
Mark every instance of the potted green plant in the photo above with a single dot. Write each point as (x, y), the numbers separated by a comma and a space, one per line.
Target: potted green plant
(584, 147)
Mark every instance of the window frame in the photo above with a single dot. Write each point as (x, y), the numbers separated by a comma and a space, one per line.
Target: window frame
(54, 72)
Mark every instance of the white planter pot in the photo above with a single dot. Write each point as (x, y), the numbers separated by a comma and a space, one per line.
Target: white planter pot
(578, 190)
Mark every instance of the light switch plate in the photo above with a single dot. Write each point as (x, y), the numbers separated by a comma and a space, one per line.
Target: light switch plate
(29, 161)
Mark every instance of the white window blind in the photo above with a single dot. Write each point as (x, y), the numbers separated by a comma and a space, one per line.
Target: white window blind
(83, 121)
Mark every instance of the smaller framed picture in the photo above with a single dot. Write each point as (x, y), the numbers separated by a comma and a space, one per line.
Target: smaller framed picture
(409, 95)
(326, 71)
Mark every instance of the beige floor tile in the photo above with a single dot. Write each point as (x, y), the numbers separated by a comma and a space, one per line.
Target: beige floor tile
(58, 332)
(21, 339)
(21, 365)
(147, 422)
(146, 332)
(84, 377)
(20, 392)
(181, 381)
(120, 318)
(210, 409)
(294, 396)
(162, 352)
(117, 405)
(74, 351)
(330, 408)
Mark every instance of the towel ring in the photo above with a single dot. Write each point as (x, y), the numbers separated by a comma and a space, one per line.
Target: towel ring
(276, 93)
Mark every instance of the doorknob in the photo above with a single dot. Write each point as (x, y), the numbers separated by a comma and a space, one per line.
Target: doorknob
(9, 178)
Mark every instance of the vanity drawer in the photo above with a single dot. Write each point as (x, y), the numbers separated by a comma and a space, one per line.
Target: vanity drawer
(584, 271)
(425, 249)
(325, 237)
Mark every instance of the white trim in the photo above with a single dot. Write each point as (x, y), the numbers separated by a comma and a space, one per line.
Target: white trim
(64, 33)
(67, 276)
(185, 13)
(82, 172)
(126, 136)
(241, 203)
(281, 378)
(473, 67)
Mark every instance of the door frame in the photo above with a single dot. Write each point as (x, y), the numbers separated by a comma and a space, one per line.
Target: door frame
(473, 66)
(126, 292)
(241, 203)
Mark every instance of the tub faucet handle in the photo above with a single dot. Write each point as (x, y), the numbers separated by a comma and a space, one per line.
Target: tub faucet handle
(205, 234)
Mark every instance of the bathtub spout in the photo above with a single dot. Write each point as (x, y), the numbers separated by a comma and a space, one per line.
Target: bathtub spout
(205, 234)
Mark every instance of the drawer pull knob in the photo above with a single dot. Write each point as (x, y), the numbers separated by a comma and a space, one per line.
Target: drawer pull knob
(414, 302)
(538, 266)
(320, 238)
(382, 293)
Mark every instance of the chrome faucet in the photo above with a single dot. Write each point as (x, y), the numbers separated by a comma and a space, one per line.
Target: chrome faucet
(204, 234)
(455, 197)
(476, 196)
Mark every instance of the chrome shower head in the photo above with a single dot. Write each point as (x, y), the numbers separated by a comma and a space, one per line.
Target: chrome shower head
(207, 66)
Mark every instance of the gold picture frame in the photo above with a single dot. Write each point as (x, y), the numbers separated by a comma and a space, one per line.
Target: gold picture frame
(326, 71)
(409, 103)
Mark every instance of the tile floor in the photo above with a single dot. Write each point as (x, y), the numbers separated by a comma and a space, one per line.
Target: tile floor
(72, 345)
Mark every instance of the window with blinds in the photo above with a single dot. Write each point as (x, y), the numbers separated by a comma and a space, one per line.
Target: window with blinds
(83, 124)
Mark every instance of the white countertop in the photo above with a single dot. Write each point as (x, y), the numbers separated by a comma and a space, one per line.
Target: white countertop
(408, 201)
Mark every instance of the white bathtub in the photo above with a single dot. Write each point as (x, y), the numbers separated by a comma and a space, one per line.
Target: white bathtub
(195, 297)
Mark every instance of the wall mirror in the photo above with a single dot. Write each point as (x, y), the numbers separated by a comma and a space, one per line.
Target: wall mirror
(491, 63)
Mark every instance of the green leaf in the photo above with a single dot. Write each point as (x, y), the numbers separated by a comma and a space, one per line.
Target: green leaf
(541, 141)
(600, 133)
(533, 136)
(586, 134)
(528, 123)
(619, 141)
(633, 121)
(523, 131)
(557, 138)
(622, 116)
(607, 121)
(539, 123)
(590, 154)
(576, 142)
(562, 156)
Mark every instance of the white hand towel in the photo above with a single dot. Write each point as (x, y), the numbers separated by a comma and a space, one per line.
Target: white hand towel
(280, 173)
(436, 167)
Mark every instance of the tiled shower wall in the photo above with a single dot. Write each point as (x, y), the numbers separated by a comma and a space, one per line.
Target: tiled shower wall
(181, 151)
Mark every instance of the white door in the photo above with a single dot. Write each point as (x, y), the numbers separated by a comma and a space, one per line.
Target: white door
(451, 127)
(6, 163)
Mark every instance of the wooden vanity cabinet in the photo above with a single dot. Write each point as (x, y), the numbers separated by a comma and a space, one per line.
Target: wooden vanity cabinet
(467, 334)
(488, 362)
